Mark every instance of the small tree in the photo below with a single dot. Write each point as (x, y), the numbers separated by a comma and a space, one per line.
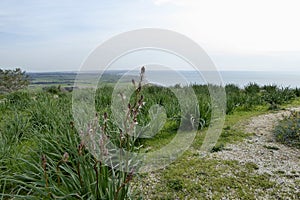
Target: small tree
(13, 80)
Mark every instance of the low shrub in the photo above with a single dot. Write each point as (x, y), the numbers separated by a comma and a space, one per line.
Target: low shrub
(252, 88)
(288, 130)
(275, 96)
(52, 89)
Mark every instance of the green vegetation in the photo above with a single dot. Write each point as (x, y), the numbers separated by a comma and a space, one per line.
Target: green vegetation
(288, 130)
(42, 155)
(192, 177)
(12, 80)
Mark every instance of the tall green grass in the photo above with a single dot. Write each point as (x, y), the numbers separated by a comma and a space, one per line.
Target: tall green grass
(42, 155)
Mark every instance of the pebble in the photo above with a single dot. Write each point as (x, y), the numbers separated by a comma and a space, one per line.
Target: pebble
(253, 150)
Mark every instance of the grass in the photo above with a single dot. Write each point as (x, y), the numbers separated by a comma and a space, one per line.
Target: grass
(42, 157)
(193, 176)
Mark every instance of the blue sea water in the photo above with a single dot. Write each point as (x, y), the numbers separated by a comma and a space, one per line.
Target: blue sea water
(239, 78)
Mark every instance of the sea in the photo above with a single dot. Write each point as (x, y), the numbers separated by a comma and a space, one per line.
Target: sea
(166, 78)
(289, 79)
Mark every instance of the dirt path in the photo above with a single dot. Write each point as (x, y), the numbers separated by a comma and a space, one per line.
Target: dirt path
(275, 159)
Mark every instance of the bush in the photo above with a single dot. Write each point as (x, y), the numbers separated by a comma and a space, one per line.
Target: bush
(252, 88)
(275, 96)
(288, 130)
(234, 97)
(13, 80)
(297, 91)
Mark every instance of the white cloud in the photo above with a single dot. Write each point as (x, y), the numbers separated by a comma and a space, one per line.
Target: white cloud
(240, 26)
(175, 2)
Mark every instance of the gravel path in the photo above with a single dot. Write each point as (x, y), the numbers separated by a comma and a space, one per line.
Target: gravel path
(280, 161)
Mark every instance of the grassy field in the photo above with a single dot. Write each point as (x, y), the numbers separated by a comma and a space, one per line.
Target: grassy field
(42, 155)
(197, 176)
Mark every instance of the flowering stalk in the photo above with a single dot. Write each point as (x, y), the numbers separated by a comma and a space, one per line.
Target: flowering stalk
(80, 148)
(97, 175)
(128, 178)
(63, 160)
(44, 165)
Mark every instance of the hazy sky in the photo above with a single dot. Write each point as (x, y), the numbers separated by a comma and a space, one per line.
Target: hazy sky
(58, 35)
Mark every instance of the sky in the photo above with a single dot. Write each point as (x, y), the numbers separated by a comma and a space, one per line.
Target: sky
(58, 35)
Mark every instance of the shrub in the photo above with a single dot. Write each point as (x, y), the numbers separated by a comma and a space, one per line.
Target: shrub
(288, 130)
(52, 89)
(234, 97)
(13, 80)
(232, 88)
(297, 91)
(252, 88)
(275, 96)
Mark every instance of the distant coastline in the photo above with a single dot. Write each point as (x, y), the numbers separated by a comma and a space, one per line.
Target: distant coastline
(239, 78)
